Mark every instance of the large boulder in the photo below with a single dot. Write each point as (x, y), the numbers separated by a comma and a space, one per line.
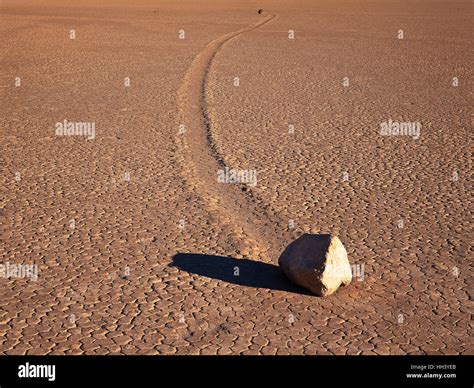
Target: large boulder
(317, 262)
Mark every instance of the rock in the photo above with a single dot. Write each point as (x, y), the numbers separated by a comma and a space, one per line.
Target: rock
(317, 262)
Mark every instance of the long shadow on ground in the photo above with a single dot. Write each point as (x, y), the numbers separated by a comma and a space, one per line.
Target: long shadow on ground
(242, 272)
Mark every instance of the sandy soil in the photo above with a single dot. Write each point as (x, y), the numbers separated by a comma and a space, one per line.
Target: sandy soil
(137, 243)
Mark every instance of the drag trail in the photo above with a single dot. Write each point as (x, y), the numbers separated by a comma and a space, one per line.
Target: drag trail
(262, 232)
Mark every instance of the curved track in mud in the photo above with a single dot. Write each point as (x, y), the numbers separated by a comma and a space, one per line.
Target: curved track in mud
(260, 229)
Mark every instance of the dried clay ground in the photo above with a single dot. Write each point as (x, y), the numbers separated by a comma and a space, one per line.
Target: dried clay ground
(140, 250)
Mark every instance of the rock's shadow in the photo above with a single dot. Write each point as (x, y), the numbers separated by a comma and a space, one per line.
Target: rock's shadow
(243, 272)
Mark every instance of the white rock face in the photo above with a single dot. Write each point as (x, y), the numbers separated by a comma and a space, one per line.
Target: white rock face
(317, 262)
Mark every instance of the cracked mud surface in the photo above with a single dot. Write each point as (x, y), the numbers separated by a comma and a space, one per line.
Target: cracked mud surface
(128, 279)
